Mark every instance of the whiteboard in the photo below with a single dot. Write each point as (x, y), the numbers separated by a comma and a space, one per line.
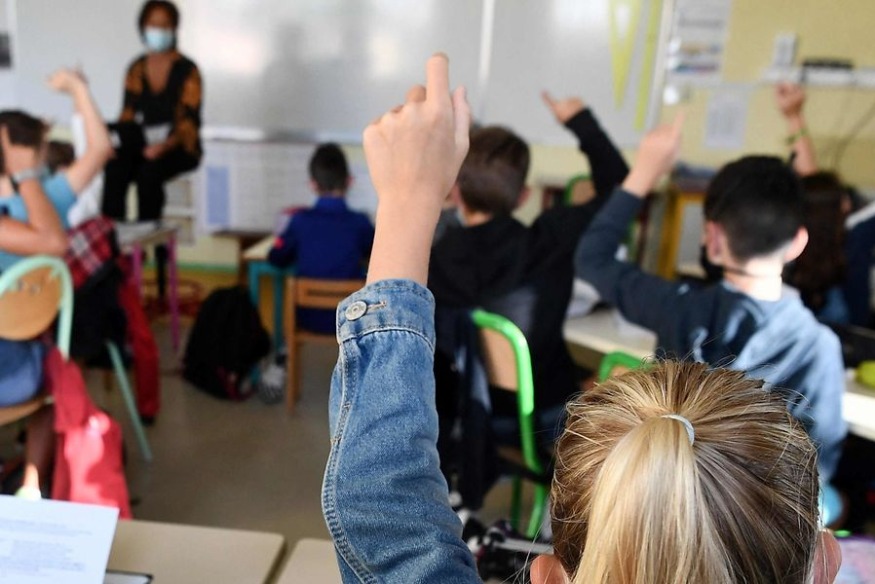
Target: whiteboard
(568, 48)
(322, 67)
(325, 68)
(98, 35)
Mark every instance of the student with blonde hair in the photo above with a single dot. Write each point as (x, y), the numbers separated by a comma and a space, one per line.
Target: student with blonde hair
(670, 474)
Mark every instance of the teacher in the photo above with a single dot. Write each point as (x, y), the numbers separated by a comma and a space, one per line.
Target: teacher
(158, 132)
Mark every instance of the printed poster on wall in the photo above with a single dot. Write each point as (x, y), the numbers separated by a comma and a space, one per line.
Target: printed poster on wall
(700, 29)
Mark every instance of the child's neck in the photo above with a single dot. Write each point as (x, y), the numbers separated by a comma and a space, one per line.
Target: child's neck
(475, 218)
(758, 278)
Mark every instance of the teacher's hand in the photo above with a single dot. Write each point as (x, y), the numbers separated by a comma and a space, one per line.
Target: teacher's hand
(155, 151)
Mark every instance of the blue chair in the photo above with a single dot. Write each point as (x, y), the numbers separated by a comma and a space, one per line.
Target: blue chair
(33, 291)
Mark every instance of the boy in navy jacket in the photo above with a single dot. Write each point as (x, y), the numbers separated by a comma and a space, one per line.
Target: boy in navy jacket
(750, 321)
(327, 241)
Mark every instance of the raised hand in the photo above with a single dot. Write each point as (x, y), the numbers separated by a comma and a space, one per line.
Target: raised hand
(66, 80)
(657, 154)
(563, 109)
(414, 153)
(790, 99)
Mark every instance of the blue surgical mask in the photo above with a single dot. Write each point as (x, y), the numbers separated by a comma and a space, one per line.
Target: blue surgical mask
(158, 40)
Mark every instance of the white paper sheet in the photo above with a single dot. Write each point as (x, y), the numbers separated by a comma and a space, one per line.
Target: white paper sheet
(45, 542)
(726, 123)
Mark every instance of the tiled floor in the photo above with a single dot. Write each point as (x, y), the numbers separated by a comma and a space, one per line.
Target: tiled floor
(243, 465)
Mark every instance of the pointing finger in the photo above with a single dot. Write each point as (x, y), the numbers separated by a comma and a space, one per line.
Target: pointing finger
(437, 73)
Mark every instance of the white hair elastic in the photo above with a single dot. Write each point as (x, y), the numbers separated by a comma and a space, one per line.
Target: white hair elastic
(691, 434)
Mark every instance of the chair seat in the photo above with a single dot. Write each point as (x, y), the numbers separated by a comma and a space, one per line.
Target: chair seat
(302, 336)
(20, 411)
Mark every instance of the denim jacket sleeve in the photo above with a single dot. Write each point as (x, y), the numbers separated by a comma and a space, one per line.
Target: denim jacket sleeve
(384, 498)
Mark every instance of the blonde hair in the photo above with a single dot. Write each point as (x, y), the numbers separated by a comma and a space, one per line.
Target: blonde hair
(635, 501)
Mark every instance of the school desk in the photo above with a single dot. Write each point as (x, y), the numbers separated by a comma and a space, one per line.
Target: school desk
(593, 336)
(312, 560)
(245, 239)
(132, 238)
(604, 331)
(258, 266)
(195, 555)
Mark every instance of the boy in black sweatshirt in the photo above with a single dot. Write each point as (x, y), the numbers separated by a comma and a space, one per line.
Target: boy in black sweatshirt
(493, 257)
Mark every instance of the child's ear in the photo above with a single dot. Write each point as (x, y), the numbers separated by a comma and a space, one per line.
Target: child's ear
(547, 569)
(315, 188)
(349, 181)
(797, 246)
(714, 241)
(524, 196)
(827, 558)
(454, 197)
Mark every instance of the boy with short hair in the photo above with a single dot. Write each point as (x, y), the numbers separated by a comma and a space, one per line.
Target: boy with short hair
(750, 321)
(327, 241)
(525, 273)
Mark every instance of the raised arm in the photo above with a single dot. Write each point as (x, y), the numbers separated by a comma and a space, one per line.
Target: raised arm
(98, 148)
(42, 233)
(641, 297)
(384, 498)
(790, 99)
(607, 166)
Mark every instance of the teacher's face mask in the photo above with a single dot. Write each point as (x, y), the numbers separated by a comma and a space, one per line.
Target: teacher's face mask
(158, 40)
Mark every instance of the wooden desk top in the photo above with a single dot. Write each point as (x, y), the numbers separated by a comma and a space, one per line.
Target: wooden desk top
(195, 555)
(146, 233)
(606, 331)
(312, 560)
(259, 251)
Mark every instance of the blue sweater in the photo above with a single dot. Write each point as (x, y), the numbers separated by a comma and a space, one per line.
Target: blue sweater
(780, 342)
(328, 241)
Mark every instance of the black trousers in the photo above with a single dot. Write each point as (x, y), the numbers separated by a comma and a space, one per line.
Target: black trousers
(149, 175)
(128, 166)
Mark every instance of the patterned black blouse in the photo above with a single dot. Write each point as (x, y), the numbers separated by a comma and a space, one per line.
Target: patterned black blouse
(178, 104)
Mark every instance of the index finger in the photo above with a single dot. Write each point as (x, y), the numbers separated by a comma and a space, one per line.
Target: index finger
(548, 99)
(437, 78)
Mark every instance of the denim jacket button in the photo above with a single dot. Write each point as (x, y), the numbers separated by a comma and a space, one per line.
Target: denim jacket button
(356, 310)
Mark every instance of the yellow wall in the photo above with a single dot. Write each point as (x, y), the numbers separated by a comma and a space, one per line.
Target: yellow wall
(825, 28)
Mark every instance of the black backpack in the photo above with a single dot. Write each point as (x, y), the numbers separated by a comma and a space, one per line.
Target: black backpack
(226, 342)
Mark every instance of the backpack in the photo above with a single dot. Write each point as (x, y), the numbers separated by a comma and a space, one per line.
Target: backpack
(226, 342)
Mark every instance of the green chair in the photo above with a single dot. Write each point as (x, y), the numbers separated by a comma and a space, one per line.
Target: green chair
(508, 362)
(33, 291)
(618, 362)
(578, 188)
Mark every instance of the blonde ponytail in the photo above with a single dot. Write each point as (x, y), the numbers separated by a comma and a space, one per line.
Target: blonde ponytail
(636, 500)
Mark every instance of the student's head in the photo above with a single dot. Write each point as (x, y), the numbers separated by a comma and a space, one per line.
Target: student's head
(329, 173)
(822, 265)
(59, 155)
(24, 129)
(492, 179)
(158, 22)
(637, 498)
(754, 209)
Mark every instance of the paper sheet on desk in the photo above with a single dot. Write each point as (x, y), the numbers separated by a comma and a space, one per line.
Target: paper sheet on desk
(45, 542)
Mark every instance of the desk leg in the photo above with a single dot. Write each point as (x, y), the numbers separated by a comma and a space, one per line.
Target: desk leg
(254, 269)
(278, 305)
(137, 269)
(173, 296)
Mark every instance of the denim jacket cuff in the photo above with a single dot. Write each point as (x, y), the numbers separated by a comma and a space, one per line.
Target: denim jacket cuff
(384, 305)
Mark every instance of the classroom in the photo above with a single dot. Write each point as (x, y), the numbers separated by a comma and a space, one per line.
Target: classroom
(536, 291)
